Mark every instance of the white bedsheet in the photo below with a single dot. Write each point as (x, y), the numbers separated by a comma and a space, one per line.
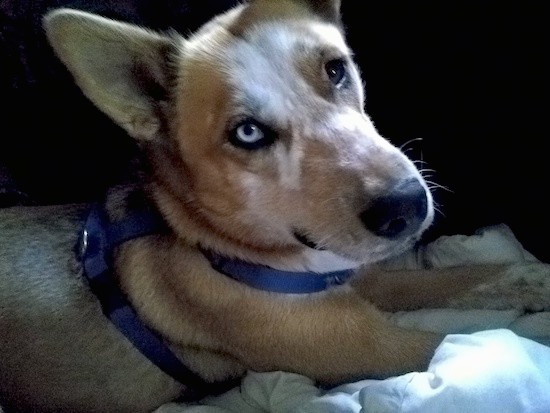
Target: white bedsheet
(491, 365)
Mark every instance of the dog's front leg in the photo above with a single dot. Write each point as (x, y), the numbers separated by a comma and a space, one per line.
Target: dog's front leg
(405, 290)
(518, 286)
(331, 337)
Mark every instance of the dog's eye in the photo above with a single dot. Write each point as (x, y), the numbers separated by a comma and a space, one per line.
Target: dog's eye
(336, 71)
(250, 134)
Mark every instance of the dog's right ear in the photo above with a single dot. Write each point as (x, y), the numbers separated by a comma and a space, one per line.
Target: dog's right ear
(121, 68)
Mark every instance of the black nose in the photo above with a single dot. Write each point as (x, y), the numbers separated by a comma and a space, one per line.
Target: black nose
(401, 212)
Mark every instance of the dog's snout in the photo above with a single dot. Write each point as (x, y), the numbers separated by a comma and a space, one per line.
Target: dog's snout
(399, 213)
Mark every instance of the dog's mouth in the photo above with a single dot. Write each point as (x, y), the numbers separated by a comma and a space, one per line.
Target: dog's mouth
(304, 239)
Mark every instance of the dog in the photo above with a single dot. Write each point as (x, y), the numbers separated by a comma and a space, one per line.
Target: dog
(248, 237)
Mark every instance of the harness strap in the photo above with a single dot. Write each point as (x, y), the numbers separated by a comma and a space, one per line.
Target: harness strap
(98, 239)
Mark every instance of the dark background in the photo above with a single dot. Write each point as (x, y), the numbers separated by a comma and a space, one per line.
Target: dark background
(467, 78)
(464, 77)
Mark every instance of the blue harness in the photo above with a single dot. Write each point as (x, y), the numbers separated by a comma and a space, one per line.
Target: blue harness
(97, 241)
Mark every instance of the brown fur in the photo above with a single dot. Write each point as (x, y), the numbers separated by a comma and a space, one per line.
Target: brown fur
(179, 98)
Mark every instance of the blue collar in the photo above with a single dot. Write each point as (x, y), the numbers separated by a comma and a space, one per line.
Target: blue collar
(266, 278)
(100, 237)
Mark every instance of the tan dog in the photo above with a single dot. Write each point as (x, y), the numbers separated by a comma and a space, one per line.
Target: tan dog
(257, 148)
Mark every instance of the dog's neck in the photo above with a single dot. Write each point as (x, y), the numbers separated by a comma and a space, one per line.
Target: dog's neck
(195, 232)
(129, 216)
(189, 227)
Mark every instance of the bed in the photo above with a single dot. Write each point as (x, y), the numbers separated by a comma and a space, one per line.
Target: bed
(489, 361)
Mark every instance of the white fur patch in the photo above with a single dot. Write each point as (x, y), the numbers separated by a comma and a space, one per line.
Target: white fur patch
(289, 164)
(267, 86)
(326, 261)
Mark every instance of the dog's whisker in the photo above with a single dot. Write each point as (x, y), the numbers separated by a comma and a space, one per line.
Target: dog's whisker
(422, 170)
(435, 185)
(419, 161)
(410, 141)
(335, 198)
(406, 151)
(438, 210)
(427, 176)
(325, 241)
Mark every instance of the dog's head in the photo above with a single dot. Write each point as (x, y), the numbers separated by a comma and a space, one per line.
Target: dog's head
(255, 129)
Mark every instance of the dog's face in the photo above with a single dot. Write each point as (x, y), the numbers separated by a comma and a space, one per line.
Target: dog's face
(255, 127)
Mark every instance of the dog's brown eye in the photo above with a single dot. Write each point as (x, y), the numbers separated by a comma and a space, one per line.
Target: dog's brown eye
(249, 134)
(336, 71)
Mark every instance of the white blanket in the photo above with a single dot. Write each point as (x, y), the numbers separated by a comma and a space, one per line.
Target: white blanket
(492, 365)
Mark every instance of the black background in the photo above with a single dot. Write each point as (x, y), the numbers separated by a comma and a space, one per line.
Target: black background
(467, 78)
(461, 81)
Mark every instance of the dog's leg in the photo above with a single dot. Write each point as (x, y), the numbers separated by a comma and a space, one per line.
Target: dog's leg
(330, 337)
(404, 290)
(497, 287)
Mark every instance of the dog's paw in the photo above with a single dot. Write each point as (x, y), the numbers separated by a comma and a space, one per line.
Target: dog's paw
(523, 286)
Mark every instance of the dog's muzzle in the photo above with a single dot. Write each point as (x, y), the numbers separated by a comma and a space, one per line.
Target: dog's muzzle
(399, 213)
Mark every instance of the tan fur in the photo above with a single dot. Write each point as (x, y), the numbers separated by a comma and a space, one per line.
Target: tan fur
(179, 98)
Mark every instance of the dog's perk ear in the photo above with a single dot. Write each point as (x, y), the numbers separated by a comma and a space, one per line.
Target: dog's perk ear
(328, 10)
(121, 68)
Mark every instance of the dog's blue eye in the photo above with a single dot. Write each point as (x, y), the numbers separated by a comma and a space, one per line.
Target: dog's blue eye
(251, 135)
(336, 71)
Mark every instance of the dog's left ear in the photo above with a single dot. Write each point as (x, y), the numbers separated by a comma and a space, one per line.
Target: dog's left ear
(123, 69)
(328, 10)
